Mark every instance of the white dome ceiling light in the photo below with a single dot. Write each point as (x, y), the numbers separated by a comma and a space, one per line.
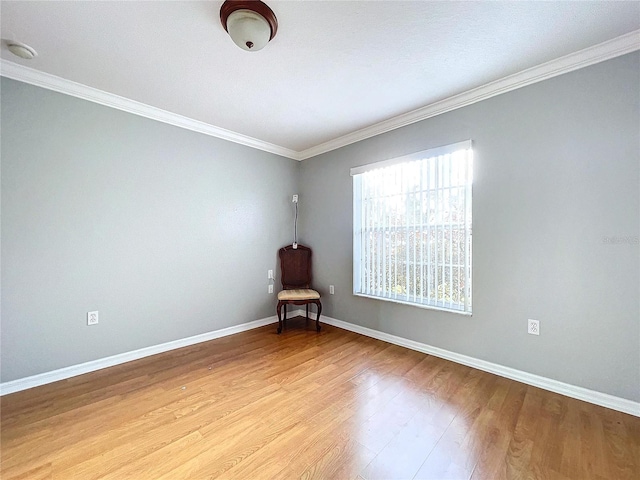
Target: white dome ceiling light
(21, 50)
(251, 24)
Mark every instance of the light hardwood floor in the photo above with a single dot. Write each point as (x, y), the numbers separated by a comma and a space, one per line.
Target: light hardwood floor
(332, 405)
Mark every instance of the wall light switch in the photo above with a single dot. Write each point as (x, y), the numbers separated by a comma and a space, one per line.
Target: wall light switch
(331, 290)
(270, 275)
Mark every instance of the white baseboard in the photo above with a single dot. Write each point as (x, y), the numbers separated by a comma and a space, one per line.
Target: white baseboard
(580, 393)
(74, 370)
(573, 391)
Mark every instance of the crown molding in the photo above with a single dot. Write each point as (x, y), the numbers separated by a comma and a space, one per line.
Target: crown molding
(616, 47)
(57, 84)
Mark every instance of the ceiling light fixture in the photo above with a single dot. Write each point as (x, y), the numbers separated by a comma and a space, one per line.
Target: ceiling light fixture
(251, 24)
(21, 50)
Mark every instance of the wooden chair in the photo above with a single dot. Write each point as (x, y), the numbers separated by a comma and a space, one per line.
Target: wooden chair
(295, 266)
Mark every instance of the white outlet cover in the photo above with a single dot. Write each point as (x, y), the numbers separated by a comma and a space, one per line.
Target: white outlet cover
(331, 290)
(270, 289)
(533, 327)
(92, 318)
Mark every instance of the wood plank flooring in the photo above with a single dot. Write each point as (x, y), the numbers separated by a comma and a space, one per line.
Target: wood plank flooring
(332, 405)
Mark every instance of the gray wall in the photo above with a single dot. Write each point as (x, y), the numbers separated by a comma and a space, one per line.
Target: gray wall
(556, 170)
(166, 232)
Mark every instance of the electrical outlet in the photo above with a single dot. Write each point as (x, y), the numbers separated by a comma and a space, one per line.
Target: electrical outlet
(294, 199)
(270, 275)
(331, 290)
(533, 327)
(92, 318)
(270, 289)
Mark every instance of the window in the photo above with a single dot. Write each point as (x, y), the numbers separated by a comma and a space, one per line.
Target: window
(412, 229)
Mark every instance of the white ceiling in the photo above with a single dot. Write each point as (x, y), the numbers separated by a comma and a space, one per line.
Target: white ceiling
(333, 68)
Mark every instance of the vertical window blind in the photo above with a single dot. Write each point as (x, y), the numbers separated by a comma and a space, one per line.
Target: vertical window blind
(412, 228)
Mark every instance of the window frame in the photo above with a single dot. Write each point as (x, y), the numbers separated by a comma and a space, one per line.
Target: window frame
(459, 308)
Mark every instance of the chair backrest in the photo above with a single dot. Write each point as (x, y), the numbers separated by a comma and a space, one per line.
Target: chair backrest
(295, 265)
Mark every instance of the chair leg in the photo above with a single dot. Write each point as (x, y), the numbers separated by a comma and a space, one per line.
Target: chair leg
(280, 318)
(284, 320)
(307, 305)
(319, 305)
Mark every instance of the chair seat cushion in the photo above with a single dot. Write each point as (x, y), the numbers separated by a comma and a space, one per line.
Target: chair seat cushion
(298, 294)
